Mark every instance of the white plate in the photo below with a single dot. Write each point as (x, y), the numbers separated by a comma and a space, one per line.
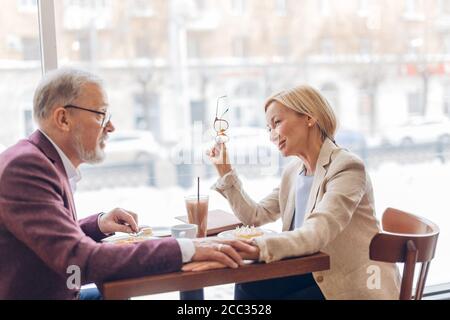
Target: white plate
(124, 236)
(161, 231)
(230, 233)
(158, 232)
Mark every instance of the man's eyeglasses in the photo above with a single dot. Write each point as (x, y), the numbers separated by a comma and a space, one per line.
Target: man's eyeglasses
(106, 115)
(221, 125)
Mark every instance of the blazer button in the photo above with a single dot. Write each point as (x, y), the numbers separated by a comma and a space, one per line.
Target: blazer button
(319, 279)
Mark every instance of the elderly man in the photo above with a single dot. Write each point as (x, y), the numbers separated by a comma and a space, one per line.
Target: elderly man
(41, 242)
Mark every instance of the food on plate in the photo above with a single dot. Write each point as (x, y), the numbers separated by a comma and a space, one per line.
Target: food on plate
(247, 232)
(146, 232)
(129, 240)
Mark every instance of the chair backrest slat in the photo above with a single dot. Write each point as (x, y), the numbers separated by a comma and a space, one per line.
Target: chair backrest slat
(408, 271)
(421, 282)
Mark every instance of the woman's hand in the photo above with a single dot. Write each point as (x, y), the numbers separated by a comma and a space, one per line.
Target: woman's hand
(251, 254)
(219, 158)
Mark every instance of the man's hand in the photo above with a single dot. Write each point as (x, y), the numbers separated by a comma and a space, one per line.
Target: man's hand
(118, 220)
(202, 266)
(213, 254)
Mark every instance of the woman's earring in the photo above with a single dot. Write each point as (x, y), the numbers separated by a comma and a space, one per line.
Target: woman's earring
(310, 125)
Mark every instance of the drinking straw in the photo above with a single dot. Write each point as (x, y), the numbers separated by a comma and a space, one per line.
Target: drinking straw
(198, 189)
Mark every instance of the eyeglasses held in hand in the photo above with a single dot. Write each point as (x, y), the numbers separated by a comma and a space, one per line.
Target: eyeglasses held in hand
(221, 125)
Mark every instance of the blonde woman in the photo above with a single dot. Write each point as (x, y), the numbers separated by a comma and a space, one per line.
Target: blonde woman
(325, 201)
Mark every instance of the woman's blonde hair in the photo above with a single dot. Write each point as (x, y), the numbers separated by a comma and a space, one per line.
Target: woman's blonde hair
(308, 101)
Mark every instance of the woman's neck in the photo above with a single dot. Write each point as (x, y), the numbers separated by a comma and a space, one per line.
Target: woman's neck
(310, 156)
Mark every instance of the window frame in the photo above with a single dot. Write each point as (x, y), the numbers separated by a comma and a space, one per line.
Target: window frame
(47, 35)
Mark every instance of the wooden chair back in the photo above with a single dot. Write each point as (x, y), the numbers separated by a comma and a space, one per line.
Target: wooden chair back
(408, 239)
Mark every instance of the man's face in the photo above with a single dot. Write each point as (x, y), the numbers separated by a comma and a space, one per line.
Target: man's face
(88, 135)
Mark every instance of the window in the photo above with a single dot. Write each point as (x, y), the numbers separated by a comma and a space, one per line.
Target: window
(414, 10)
(90, 14)
(193, 48)
(365, 46)
(415, 45)
(147, 113)
(27, 5)
(411, 7)
(143, 47)
(327, 47)
(282, 47)
(200, 4)
(446, 44)
(363, 7)
(28, 121)
(31, 49)
(238, 115)
(247, 90)
(331, 93)
(238, 7)
(240, 47)
(324, 7)
(365, 111)
(415, 103)
(444, 7)
(281, 7)
(198, 111)
(141, 8)
(20, 68)
(446, 99)
(86, 46)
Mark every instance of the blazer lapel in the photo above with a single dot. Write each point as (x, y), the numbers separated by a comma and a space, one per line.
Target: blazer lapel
(40, 141)
(321, 170)
(290, 201)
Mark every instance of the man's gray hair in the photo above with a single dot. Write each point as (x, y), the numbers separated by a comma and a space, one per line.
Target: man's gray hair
(60, 87)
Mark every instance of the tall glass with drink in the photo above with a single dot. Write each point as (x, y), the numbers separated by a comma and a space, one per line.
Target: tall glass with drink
(197, 210)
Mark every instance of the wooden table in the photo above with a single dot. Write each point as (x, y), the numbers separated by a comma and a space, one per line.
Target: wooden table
(190, 281)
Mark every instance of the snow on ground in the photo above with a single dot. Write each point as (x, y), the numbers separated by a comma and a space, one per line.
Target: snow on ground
(419, 188)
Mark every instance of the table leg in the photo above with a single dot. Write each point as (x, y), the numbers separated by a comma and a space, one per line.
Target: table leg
(192, 295)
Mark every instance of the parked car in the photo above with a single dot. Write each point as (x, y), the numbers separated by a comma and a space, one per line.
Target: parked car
(132, 147)
(418, 131)
(352, 140)
(133, 158)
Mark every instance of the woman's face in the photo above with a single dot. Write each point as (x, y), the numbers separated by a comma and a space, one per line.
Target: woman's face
(289, 130)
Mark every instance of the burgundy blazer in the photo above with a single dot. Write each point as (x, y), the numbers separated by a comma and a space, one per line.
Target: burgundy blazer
(40, 237)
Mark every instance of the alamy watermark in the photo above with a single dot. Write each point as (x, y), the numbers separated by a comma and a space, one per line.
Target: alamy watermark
(374, 279)
(249, 147)
(74, 280)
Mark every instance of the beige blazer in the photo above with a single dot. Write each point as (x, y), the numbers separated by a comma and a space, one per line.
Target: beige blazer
(340, 221)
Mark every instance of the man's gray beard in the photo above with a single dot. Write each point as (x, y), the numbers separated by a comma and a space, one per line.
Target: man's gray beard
(91, 157)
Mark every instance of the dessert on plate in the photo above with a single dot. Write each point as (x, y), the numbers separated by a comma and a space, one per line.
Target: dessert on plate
(143, 235)
(246, 232)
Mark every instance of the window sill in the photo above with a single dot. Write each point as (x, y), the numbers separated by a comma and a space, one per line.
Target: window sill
(437, 292)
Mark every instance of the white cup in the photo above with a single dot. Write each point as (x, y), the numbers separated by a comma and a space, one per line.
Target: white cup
(184, 231)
